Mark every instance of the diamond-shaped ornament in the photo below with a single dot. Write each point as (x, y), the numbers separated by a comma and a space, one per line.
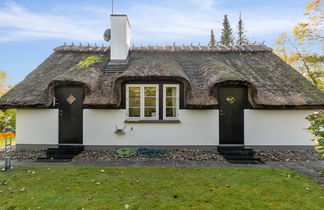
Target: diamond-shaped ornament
(70, 99)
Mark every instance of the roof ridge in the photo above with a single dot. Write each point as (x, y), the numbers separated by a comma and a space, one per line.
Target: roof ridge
(171, 48)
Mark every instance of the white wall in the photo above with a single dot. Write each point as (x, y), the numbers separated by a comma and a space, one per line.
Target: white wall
(120, 37)
(37, 126)
(197, 127)
(276, 127)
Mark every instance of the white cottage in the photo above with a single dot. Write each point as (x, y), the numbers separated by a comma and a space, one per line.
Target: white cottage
(162, 96)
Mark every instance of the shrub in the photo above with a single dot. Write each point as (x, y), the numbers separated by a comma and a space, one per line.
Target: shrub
(317, 129)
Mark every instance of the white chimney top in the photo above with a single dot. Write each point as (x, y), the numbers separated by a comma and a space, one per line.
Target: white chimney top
(120, 39)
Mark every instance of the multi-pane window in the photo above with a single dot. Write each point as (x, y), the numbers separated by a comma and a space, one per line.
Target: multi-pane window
(171, 101)
(142, 102)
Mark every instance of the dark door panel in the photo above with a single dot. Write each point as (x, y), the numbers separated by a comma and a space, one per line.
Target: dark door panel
(69, 102)
(232, 101)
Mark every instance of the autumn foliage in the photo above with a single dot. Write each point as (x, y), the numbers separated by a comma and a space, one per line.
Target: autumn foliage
(304, 50)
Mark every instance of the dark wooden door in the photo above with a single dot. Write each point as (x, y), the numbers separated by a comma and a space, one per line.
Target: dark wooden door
(69, 102)
(232, 101)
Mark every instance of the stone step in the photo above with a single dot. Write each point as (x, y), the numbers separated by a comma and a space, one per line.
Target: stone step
(61, 153)
(236, 152)
(239, 154)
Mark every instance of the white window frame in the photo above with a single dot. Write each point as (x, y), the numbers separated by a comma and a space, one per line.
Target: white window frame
(142, 98)
(177, 101)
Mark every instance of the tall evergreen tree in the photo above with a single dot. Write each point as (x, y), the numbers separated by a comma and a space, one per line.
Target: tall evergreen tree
(227, 34)
(212, 41)
(241, 32)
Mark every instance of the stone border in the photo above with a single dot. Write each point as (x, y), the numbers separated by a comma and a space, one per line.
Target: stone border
(169, 147)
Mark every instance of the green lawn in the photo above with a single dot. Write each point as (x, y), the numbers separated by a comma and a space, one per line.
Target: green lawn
(71, 187)
(2, 141)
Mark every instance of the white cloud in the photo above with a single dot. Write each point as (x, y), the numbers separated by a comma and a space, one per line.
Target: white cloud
(152, 23)
(202, 4)
(180, 24)
(23, 24)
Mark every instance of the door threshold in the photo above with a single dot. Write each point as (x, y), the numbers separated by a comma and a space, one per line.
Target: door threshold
(231, 145)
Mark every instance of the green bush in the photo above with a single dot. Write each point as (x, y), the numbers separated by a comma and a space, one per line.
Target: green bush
(317, 129)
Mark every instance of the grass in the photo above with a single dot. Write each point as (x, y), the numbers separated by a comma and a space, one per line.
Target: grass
(72, 187)
(2, 141)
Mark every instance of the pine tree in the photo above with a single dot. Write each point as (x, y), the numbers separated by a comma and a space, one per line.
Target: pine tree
(212, 41)
(227, 34)
(241, 32)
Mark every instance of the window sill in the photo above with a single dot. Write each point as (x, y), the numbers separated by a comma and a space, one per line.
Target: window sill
(152, 121)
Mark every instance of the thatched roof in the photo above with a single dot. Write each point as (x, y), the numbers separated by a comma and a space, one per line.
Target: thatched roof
(272, 82)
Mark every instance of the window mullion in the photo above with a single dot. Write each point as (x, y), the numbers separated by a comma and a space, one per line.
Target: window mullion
(157, 102)
(127, 101)
(177, 101)
(142, 98)
(164, 101)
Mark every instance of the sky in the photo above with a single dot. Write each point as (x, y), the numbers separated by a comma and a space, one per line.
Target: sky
(31, 29)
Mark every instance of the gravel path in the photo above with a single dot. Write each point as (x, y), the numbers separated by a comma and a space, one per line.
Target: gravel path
(20, 155)
(274, 155)
(173, 155)
(289, 155)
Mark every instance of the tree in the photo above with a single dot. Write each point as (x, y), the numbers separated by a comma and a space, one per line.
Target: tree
(241, 32)
(3, 82)
(7, 118)
(227, 34)
(316, 128)
(212, 41)
(302, 52)
(311, 30)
